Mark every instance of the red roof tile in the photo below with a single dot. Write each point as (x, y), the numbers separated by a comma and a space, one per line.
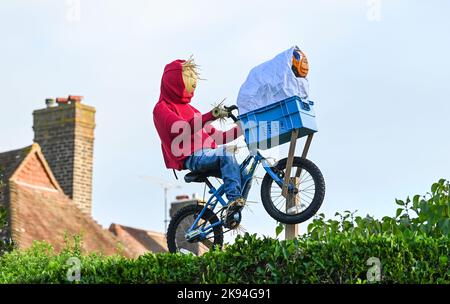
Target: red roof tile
(138, 240)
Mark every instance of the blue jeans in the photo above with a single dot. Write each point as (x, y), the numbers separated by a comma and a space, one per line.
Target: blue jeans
(208, 159)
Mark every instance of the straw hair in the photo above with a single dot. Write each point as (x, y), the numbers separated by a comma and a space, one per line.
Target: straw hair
(190, 65)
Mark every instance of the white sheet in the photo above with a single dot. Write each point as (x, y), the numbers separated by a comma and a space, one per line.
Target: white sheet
(270, 82)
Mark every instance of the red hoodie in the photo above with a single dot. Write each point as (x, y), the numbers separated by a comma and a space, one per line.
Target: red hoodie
(181, 127)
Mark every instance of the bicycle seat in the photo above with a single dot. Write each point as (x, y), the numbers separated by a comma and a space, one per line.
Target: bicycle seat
(201, 176)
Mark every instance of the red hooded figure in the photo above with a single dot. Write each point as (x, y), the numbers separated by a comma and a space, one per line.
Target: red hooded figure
(181, 127)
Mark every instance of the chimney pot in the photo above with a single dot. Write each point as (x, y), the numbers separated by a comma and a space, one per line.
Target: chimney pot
(181, 197)
(50, 102)
(75, 98)
(62, 100)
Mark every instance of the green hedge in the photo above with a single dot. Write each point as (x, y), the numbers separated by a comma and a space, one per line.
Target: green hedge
(410, 249)
(341, 259)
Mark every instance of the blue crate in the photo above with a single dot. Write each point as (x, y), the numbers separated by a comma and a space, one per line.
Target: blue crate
(272, 125)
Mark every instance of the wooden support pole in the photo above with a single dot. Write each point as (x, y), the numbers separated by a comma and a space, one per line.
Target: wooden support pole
(304, 153)
(292, 200)
(291, 231)
(290, 160)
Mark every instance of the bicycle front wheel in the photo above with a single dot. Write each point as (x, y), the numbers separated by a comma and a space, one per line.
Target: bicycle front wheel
(303, 201)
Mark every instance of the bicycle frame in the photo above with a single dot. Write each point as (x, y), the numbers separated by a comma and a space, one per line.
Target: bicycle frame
(247, 168)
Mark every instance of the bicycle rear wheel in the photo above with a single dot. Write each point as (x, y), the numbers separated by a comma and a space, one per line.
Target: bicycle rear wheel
(182, 221)
(304, 201)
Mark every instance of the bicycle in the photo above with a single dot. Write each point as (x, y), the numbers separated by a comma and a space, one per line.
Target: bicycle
(196, 228)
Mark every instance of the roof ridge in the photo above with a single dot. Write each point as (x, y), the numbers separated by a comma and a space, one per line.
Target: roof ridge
(131, 227)
(35, 148)
(11, 160)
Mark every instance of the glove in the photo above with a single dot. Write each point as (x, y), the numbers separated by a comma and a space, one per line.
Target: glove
(219, 112)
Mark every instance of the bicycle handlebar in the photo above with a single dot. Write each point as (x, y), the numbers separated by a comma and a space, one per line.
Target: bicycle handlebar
(230, 109)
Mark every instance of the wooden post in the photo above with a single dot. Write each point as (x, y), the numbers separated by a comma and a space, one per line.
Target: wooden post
(291, 201)
(290, 160)
(305, 152)
(291, 231)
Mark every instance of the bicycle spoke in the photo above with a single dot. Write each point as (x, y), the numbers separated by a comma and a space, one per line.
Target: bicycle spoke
(308, 192)
(304, 172)
(304, 201)
(282, 202)
(312, 185)
(180, 238)
(274, 201)
(306, 180)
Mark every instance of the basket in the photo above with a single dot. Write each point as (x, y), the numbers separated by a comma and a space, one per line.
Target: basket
(273, 124)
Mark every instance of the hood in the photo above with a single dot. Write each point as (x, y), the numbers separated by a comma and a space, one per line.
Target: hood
(172, 85)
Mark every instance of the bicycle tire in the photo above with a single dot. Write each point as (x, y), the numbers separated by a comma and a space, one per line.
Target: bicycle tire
(194, 210)
(315, 204)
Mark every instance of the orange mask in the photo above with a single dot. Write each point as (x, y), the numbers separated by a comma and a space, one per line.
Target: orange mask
(300, 65)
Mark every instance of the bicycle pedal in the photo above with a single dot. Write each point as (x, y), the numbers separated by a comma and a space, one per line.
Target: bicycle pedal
(233, 218)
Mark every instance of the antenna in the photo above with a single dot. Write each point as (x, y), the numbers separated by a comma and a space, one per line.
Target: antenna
(166, 186)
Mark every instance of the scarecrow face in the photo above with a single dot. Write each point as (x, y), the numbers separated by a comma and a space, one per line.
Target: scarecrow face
(189, 78)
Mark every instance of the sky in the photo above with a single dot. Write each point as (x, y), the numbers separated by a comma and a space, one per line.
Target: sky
(379, 77)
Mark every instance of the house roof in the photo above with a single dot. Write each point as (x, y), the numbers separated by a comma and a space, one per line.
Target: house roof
(138, 240)
(9, 161)
(42, 215)
(37, 173)
(39, 209)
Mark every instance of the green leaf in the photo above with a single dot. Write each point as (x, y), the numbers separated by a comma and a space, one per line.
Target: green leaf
(279, 229)
(399, 211)
(445, 226)
(400, 202)
(434, 187)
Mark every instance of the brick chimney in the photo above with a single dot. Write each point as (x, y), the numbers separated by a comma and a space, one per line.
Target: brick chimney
(65, 132)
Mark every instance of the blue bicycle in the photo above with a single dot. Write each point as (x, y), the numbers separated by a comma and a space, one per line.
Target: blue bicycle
(196, 228)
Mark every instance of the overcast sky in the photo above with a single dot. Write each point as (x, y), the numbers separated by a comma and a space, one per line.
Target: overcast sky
(379, 79)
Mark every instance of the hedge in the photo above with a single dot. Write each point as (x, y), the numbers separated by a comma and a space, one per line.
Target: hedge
(341, 259)
(409, 249)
